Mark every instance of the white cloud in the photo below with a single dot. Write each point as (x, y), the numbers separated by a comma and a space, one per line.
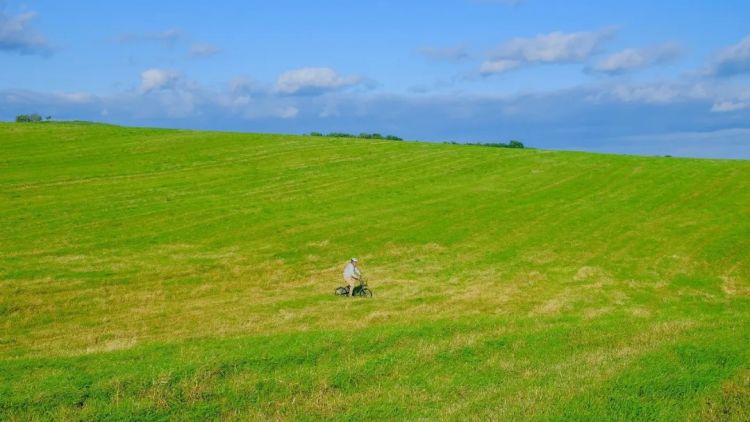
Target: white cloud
(76, 97)
(716, 96)
(178, 102)
(168, 94)
(555, 47)
(650, 94)
(287, 112)
(243, 85)
(329, 109)
(168, 36)
(313, 80)
(170, 91)
(203, 50)
(704, 135)
(155, 79)
(737, 99)
(241, 100)
(729, 105)
(637, 58)
(499, 66)
(17, 35)
(731, 61)
(653, 93)
(449, 54)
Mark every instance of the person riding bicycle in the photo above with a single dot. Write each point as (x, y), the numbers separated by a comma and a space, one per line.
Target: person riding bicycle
(351, 274)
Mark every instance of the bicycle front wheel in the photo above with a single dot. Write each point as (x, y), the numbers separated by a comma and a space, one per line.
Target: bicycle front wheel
(366, 292)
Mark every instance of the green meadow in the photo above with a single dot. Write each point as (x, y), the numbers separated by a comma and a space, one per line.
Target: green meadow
(157, 274)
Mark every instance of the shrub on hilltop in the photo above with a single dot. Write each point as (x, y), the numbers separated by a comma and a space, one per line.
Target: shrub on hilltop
(510, 144)
(29, 118)
(363, 135)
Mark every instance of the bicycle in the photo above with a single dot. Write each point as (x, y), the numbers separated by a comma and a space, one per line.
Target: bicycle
(360, 290)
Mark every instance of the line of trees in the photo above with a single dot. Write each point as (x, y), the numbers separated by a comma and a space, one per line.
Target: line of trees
(363, 135)
(31, 118)
(510, 144)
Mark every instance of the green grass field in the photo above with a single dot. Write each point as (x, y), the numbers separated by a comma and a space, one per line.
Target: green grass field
(153, 274)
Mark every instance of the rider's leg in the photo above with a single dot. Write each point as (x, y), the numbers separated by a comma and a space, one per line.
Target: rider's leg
(349, 285)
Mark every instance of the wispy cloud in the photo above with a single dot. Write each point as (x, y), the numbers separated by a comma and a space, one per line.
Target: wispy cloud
(447, 54)
(736, 101)
(18, 36)
(76, 97)
(554, 47)
(499, 66)
(203, 50)
(16, 98)
(631, 59)
(168, 36)
(243, 84)
(646, 93)
(725, 106)
(731, 61)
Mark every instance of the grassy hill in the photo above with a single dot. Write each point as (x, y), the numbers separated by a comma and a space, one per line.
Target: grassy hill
(148, 273)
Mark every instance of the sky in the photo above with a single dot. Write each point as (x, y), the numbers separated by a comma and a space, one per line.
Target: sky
(637, 77)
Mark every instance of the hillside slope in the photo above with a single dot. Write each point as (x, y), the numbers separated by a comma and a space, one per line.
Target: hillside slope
(155, 273)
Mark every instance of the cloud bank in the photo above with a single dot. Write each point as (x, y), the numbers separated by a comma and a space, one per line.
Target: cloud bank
(591, 116)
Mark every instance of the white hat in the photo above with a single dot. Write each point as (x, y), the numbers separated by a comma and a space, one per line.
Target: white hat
(354, 259)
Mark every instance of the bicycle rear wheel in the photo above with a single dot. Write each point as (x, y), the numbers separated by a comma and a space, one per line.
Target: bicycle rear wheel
(342, 291)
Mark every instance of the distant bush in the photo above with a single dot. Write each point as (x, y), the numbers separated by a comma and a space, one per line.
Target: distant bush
(340, 135)
(363, 135)
(29, 118)
(36, 117)
(511, 144)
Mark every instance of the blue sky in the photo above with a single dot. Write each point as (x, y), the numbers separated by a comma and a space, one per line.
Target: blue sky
(643, 77)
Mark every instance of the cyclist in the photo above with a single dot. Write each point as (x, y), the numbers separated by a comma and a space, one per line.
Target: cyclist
(351, 274)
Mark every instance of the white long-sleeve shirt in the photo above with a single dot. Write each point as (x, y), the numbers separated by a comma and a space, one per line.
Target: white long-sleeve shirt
(350, 271)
